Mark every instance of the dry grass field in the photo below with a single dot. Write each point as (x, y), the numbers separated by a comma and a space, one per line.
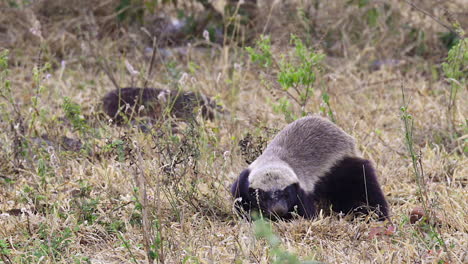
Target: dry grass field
(75, 188)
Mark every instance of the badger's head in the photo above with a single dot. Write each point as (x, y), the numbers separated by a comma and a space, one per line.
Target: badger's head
(272, 190)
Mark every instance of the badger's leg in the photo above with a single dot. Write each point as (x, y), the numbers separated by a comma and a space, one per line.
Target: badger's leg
(351, 186)
(240, 191)
(306, 207)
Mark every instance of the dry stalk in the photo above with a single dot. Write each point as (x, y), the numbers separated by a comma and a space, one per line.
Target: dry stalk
(140, 180)
(102, 63)
(433, 18)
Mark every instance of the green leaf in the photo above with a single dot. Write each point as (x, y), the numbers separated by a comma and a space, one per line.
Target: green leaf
(372, 15)
(362, 3)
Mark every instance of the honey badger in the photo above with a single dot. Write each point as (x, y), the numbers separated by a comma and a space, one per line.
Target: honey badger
(310, 161)
(127, 101)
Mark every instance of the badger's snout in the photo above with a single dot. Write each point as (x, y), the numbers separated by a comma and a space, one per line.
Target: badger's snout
(279, 208)
(275, 204)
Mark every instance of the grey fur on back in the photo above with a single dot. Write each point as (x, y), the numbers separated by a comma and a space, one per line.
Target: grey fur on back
(310, 146)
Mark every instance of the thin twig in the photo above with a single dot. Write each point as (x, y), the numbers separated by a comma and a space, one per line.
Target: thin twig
(104, 66)
(127, 246)
(140, 181)
(150, 69)
(5, 258)
(433, 18)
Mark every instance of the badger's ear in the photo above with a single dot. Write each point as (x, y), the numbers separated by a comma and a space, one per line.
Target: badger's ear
(240, 188)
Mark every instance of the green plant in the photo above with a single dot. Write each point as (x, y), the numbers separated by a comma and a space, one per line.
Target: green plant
(179, 156)
(296, 72)
(80, 259)
(114, 226)
(156, 245)
(371, 13)
(263, 230)
(43, 169)
(126, 245)
(449, 39)
(408, 123)
(117, 146)
(418, 37)
(4, 251)
(74, 115)
(39, 74)
(132, 10)
(57, 242)
(153, 240)
(87, 210)
(5, 83)
(262, 53)
(191, 259)
(430, 227)
(455, 69)
(13, 116)
(327, 110)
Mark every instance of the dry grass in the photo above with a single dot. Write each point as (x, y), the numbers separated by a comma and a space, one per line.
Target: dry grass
(124, 195)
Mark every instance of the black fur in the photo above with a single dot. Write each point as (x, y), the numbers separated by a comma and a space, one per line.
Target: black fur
(351, 186)
(240, 191)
